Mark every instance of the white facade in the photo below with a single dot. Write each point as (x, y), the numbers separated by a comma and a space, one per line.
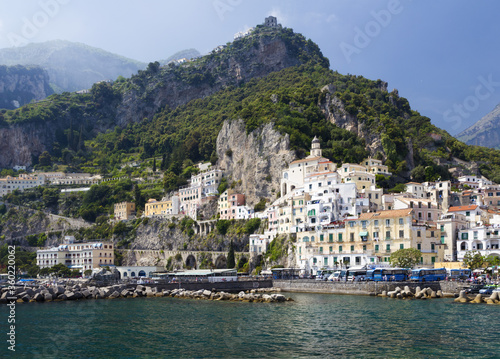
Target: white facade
(484, 239)
(24, 181)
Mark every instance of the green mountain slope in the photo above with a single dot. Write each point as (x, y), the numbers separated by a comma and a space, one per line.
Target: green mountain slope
(274, 75)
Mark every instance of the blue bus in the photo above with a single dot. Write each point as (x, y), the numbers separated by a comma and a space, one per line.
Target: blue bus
(459, 274)
(428, 274)
(387, 274)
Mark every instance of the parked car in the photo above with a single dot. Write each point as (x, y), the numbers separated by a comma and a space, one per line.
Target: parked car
(474, 289)
(487, 289)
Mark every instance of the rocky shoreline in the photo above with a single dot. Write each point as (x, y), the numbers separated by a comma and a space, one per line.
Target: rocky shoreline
(494, 298)
(406, 293)
(78, 292)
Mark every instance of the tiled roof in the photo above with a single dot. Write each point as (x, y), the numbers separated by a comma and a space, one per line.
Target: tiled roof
(462, 208)
(386, 214)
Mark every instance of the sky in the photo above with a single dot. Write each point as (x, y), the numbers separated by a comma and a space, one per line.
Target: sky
(442, 55)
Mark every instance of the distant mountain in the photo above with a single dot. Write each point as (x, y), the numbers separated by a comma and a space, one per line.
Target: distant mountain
(20, 85)
(71, 66)
(184, 54)
(485, 132)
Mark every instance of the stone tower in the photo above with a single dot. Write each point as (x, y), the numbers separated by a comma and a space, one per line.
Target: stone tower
(315, 148)
(271, 21)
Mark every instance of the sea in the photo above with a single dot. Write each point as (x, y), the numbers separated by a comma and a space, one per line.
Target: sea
(310, 326)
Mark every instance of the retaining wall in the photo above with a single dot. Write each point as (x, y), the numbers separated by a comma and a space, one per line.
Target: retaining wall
(360, 288)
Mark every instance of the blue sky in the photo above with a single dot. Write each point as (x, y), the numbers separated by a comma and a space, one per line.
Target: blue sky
(441, 55)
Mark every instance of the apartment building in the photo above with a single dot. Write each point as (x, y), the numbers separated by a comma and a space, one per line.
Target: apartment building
(124, 210)
(74, 255)
(24, 181)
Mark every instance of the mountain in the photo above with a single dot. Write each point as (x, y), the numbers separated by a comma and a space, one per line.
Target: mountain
(184, 54)
(485, 132)
(264, 96)
(20, 85)
(71, 66)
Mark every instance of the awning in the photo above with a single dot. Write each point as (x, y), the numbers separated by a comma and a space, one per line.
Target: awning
(363, 234)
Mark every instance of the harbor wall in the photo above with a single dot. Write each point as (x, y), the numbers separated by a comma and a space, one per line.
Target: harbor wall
(361, 288)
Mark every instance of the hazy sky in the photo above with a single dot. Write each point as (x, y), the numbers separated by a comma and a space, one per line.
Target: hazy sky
(441, 55)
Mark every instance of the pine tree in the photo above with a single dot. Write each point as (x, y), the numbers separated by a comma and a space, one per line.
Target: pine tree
(154, 165)
(230, 256)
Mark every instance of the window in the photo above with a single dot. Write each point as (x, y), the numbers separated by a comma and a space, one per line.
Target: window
(340, 237)
(352, 248)
(375, 223)
(419, 246)
(401, 234)
(401, 246)
(387, 222)
(432, 246)
(330, 237)
(388, 235)
(330, 249)
(312, 238)
(388, 248)
(351, 237)
(340, 248)
(401, 221)
(465, 235)
(325, 261)
(442, 239)
(321, 238)
(418, 233)
(320, 249)
(467, 213)
(375, 235)
(364, 247)
(351, 224)
(433, 259)
(315, 260)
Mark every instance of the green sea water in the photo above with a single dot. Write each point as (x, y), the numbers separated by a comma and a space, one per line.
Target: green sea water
(313, 326)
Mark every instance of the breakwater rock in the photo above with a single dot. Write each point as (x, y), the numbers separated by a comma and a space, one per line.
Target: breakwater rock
(494, 298)
(78, 292)
(406, 293)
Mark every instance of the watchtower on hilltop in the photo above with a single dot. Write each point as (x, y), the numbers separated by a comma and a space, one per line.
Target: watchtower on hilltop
(271, 21)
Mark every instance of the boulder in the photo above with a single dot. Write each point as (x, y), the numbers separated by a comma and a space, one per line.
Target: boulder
(439, 294)
(207, 293)
(26, 298)
(78, 295)
(140, 288)
(477, 299)
(86, 294)
(39, 297)
(159, 294)
(278, 297)
(47, 297)
(166, 293)
(69, 295)
(58, 290)
(462, 298)
(125, 293)
(433, 294)
(114, 295)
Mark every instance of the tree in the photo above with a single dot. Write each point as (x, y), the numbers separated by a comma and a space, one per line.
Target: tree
(405, 258)
(139, 199)
(230, 256)
(44, 159)
(473, 260)
(154, 165)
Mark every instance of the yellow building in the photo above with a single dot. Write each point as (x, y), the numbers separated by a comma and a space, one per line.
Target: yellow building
(162, 208)
(124, 210)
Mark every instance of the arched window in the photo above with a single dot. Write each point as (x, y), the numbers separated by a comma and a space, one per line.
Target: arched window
(142, 273)
(305, 239)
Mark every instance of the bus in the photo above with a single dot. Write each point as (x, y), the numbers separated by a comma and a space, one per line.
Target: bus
(355, 275)
(338, 275)
(387, 274)
(459, 274)
(428, 274)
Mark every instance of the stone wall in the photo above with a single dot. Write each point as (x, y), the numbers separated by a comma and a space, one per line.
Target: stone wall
(360, 288)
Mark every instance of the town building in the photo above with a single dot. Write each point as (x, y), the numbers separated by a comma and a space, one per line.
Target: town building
(258, 245)
(154, 208)
(232, 205)
(24, 181)
(124, 211)
(77, 255)
(484, 239)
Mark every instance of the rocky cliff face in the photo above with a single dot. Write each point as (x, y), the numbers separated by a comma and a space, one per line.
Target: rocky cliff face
(335, 112)
(256, 159)
(485, 132)
(20, 85)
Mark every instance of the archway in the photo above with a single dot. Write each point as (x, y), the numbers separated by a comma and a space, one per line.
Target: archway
(124, 274)
(221, 262)
(191, 262)
(132, 274)
(142, 273)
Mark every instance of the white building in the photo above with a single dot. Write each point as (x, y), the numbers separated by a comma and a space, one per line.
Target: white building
(10, 184)
(81, 256)
(484, 239)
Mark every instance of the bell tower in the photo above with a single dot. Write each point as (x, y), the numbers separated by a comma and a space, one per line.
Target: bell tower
(315, 148)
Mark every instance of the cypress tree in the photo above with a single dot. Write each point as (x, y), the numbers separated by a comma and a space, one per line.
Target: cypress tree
(230, 256)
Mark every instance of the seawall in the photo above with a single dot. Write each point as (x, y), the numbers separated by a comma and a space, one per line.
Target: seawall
(362, 288)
